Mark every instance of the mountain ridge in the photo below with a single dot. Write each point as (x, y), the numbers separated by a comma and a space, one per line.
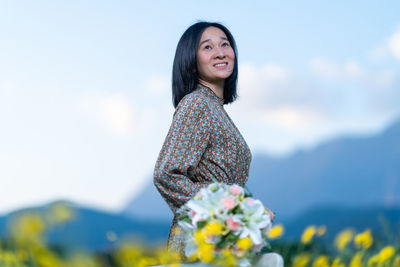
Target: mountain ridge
(351, 170)
(90, 229)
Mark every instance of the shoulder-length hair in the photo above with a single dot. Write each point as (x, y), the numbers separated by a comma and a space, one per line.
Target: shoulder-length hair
(184, 72)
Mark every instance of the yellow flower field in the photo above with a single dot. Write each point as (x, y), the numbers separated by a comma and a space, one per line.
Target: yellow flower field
(26, 247)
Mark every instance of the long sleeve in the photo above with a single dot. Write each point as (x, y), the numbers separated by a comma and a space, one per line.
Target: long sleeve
(185, 144)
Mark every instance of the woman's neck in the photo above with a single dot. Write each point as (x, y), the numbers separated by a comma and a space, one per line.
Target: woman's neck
(218, 88)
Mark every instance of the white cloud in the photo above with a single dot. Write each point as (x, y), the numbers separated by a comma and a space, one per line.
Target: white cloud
(378, 53)
(273, 96)
(353, 70)
(389, 47)
(281, 109)
(117, 114)
(258, 83)
(393, 44)
(330, 69)
(299, 119)
(272, 86)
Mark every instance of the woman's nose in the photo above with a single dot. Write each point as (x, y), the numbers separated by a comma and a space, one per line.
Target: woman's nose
(220, 53)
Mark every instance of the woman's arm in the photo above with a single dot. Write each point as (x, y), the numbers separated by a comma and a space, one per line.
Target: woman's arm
(183, 148)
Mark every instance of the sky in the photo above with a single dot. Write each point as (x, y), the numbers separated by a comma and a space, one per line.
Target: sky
(85, 95)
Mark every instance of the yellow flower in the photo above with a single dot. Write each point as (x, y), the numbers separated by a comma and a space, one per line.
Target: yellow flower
(363, 240)
(383, 257)
(81, 259)
(193, 257)
(46, 258)
(206, 252)
(28, 229)
(321, 230)
(321, 261)
(356, 261)
(301, 260)
(373, 261)
(244, 243)
(165, 256)
(199, 236)
(308, 234)
(343, 238)
(385, 254)
(128, 253)
(276, 231)
(8, 258)
(337, 263)
(60, 213)
(214, 228)
(227, 259)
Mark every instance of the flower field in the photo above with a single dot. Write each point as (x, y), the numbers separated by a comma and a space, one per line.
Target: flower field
(349, 248)
(25, 245)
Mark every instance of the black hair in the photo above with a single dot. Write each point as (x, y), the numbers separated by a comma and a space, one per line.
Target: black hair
(184, 71)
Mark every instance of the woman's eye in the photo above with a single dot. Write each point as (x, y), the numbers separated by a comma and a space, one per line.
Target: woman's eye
(207, 47)
(225, 44)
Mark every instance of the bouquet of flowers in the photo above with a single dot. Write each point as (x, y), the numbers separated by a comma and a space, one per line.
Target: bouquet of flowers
(224, 225)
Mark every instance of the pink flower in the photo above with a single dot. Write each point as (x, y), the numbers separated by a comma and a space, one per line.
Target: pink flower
(250, 201)
(232, 224)
(229, 202)
(192, 213)
(235, 189)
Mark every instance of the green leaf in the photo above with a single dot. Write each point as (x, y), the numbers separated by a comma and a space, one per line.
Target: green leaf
(201, 224)
(237, 210)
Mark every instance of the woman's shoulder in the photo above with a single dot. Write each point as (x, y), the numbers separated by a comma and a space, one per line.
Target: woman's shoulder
(194, 101)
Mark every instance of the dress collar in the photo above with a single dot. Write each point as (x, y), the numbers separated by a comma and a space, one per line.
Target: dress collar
(210, 93)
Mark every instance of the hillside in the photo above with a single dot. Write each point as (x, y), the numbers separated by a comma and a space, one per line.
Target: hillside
(349, 171)
(89, 228)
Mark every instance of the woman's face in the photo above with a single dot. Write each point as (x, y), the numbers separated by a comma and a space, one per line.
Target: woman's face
(215, 56)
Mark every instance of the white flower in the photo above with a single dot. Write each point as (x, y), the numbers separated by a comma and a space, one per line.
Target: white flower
(186, 227)
(190, 246)
(210, 204)
(255, 219)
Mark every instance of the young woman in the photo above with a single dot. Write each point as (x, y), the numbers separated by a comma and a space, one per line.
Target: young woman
(202, 141)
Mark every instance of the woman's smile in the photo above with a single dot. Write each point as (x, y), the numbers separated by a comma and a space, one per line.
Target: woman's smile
(222, 65)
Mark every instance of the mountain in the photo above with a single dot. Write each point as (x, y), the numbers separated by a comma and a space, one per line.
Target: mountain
(148, 204)
(89, 228)
(352, 171)
(349, 172)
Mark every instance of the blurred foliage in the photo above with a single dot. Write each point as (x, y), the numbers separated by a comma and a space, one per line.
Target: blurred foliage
(26, 246)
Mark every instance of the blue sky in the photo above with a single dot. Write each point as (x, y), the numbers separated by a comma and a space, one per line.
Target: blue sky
(85, 100)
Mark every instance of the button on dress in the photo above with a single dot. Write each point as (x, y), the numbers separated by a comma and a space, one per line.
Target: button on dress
(202, 143)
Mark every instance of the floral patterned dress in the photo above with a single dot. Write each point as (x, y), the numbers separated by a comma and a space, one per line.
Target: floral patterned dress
(202, 143)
